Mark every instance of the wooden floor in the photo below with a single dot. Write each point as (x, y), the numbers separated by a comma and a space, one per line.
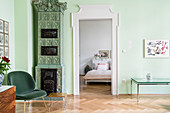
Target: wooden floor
(97, 99)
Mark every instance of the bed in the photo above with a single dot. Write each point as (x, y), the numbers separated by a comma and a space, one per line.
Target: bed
(101, 71)
(98, 76)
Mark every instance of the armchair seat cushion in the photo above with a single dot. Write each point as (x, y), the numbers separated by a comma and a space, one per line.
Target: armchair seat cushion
(31, 95)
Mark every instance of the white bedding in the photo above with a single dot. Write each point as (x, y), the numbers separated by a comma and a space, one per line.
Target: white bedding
(98, 74)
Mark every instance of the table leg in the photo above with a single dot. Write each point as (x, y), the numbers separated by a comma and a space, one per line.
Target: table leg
(131, 87)
(50, 101)
(137, 92)
(49, 104)
(53, 102)
(65, 102)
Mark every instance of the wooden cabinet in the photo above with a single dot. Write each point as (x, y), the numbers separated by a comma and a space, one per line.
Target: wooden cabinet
(7, 99)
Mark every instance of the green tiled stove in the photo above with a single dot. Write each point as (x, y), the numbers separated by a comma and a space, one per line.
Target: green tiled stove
(48, 34)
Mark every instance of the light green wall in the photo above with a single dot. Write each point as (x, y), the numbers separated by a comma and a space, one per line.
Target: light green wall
(7, 14)
(138, 20)
(21, 37)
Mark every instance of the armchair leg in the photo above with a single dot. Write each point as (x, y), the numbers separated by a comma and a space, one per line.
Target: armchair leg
(24, 105)
(44, 103)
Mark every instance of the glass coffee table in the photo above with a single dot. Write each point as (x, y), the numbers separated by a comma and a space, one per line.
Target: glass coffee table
(59, 95)
(144, 81)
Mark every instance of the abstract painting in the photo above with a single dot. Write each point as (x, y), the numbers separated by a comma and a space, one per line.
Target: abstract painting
(156, 48)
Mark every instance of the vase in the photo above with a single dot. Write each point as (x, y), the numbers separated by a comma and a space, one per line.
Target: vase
(149, 76)
(1, 79)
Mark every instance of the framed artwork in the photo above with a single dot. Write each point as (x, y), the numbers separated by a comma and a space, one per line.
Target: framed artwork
(1, 39)
(1, 52)
(1, 25)
(6, 27)
(4, 38)
(6, 52)
(104, 53)
(156, 48)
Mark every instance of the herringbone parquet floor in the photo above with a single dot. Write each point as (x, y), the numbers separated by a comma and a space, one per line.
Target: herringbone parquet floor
(97, 99)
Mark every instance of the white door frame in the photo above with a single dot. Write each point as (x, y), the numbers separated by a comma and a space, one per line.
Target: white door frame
(93, 12)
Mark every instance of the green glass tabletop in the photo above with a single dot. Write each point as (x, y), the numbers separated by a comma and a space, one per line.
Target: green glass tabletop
(154, 80)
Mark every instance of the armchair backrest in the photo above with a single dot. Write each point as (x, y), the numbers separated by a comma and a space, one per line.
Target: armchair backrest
(22, 80)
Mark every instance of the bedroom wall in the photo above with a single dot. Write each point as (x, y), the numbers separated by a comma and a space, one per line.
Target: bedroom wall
(95, 35)
(7, 14)
(138, 20)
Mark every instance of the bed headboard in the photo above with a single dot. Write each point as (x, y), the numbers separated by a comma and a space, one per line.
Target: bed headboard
(96, 61)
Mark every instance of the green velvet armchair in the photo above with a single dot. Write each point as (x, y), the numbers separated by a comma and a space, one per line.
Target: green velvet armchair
(25, 86)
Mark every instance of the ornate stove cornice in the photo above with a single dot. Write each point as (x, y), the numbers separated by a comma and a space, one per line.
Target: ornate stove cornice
(50, 5)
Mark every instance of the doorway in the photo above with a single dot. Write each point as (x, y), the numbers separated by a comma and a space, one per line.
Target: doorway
(95, 69)
(95, 12)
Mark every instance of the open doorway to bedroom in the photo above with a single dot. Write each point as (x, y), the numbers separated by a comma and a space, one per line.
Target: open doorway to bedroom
(95, 37)
(95, 12)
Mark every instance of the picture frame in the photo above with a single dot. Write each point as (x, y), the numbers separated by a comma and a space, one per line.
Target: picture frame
(6, 40)
(6, 27)
(6, 52)
(1, 39)
(1, 25)
(1, 52)
(156, 48)
(104, 53)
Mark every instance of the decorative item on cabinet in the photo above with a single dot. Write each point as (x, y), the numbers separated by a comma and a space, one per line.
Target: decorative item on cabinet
(4, 67)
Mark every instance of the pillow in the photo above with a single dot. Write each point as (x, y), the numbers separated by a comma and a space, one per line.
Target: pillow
(103, 66)
(107, 65)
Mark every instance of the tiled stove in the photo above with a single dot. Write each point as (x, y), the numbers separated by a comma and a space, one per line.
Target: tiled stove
(48, 32)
